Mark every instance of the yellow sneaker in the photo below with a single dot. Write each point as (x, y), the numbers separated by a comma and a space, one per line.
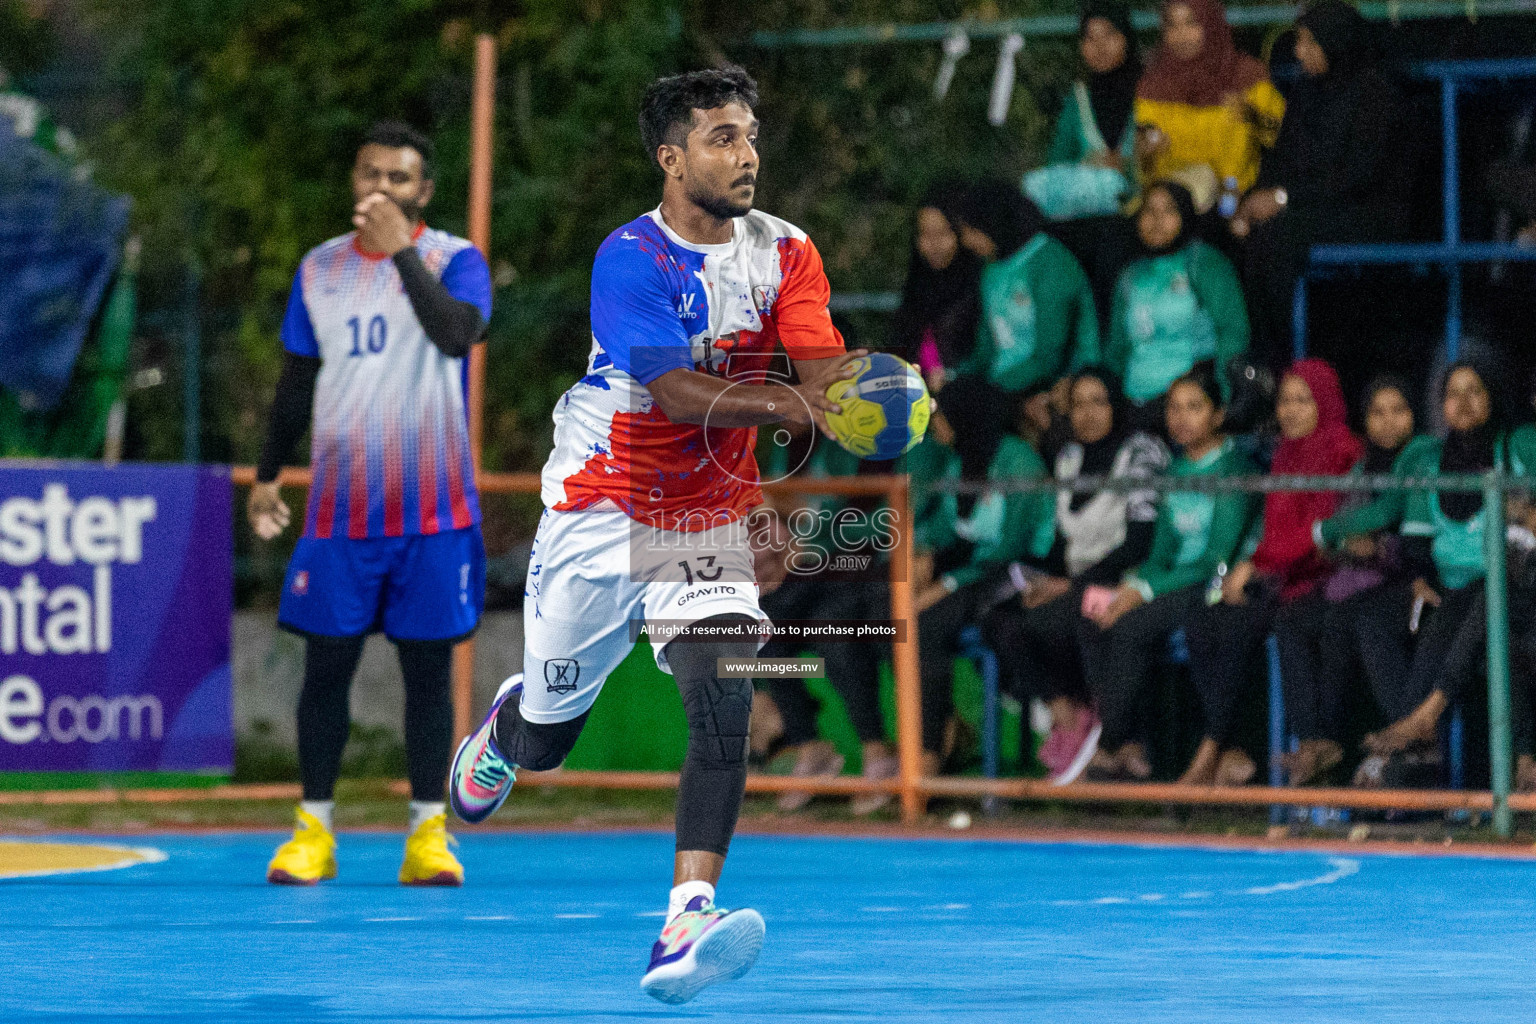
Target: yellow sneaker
(428, 861)
(306, 858)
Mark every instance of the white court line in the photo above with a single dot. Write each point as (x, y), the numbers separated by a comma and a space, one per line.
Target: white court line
(576, 917)
(492, 917)
(291, 922)
(1343, 867)
(651, 913)
(881, 910)
(388, 920)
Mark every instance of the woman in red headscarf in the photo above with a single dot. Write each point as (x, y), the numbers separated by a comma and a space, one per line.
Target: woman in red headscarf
(1279, 589)
(1203, 102)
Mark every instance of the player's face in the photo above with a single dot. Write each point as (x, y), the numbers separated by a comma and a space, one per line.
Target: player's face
(1092, 415)
(1309, 54)
(936, 240)
(1182, 32)
(393, 172)
(719, 161)
(1295, 409)
(1160, 221)
(1467, 404)
(1102, 46)
(1192, 418)
(1389, 420)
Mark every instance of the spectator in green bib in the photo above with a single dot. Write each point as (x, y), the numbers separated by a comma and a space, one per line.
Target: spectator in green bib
(1177, 305)
(1443, 551)
(1196, 537)
(965, 547)
(1037, 315)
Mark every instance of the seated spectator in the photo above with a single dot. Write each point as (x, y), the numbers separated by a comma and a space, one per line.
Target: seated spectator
(1091, 169)
(1337, 172)
(1202, 101)
(935, 325)
(1038, 321)
(964, 553)
(1279, 588)
(1197, 534)
(1091, 166)
(1442, 548)
(1367, 585)
(1179, 304)
(1099, 537)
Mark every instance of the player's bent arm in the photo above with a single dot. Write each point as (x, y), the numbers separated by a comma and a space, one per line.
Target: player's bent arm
(688, 396)
(451, 324)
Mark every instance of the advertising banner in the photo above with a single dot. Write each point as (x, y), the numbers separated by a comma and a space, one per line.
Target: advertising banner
(115, 604)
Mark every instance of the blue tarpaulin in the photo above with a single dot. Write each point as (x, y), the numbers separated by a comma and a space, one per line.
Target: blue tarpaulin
(60, 240)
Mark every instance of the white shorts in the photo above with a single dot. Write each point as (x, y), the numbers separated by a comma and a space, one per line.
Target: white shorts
(594, 576)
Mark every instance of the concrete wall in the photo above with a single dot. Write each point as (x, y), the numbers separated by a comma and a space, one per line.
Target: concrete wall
(269, 669)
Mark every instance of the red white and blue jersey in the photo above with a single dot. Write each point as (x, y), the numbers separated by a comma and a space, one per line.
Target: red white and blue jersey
(390, 449)
(660, 303)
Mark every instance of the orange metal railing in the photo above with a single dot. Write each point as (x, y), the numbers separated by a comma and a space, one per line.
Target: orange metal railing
(911, 785)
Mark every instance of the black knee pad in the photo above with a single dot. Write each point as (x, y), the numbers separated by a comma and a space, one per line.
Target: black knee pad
(538, 747)
(719, 710)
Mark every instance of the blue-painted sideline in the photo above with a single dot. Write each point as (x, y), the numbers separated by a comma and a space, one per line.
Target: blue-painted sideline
(547, 929)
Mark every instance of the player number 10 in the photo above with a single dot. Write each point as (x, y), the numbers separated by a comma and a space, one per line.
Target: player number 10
(378, 332)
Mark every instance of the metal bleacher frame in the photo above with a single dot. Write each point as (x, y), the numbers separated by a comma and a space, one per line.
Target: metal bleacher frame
(1451, 253)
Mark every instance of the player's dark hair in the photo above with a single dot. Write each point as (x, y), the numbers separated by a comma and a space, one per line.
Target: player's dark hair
(399, 135)
(666, 111)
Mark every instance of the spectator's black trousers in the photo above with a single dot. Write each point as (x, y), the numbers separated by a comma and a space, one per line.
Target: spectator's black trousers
(1369, 632)
(853, 668)
(938, 638)
(1120, 663)
(1039, 649)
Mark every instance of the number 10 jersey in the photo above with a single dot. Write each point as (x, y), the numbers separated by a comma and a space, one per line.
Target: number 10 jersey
(390, 450)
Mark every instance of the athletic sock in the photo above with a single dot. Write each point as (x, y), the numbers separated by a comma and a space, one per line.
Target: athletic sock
(684, 893)
(421, 810)
(325, 810)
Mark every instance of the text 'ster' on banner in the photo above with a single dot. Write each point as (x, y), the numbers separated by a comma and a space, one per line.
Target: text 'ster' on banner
(115, 605)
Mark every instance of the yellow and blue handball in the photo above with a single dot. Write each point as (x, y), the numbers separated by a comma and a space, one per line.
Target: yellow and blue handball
(885, 407)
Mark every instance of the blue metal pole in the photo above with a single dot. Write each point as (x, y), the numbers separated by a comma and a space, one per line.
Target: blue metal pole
(1451, 209)
(1299, 318)
(1276, 726)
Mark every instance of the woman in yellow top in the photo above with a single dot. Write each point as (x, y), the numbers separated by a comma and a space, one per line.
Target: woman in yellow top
(1203, 101)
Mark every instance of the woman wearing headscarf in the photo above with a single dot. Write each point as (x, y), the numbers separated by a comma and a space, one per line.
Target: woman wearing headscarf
(1091, 167)
(1204, 102)
(1100, 536)
(1197, 534)
(1443, 551)
(1336, 173)
(1278, 588)
(935, 325)
(1368, 594)
(1178, 304)
(1038, 320)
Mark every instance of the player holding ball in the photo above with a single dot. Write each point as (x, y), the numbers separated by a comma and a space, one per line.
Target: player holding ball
(647, 490)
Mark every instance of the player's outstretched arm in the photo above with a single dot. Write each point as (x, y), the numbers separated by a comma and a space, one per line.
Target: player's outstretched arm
(688, 396)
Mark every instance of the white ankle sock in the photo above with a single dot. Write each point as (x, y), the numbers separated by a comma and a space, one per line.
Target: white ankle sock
(325, 810)
(683, 893)
(421, 810)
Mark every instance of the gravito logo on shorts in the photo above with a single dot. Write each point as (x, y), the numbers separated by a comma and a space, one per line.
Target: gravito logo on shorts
(92, 718)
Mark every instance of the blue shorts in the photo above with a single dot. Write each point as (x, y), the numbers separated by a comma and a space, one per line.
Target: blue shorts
(425, 587)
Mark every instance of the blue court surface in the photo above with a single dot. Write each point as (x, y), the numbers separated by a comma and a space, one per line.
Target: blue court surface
(557, 927)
